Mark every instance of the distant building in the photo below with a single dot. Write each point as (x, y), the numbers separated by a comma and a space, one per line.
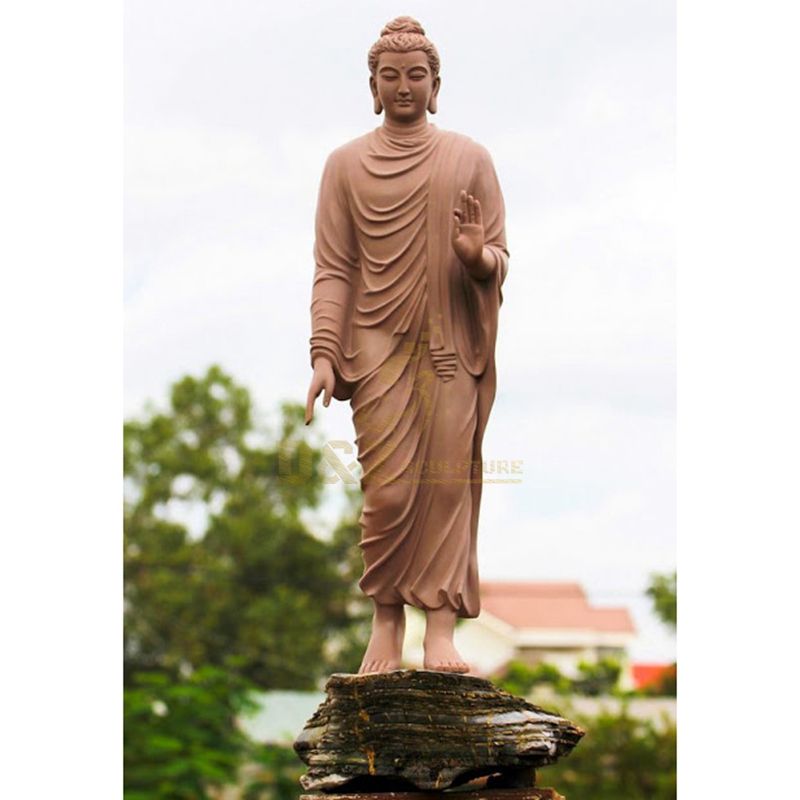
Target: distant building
(648, 676)
(534, 622)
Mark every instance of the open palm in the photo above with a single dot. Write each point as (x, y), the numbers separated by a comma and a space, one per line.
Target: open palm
(468, 234)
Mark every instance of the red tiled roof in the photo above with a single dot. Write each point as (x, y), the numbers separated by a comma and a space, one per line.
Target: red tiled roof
(551, 605)
(612, 619)
(648, 674)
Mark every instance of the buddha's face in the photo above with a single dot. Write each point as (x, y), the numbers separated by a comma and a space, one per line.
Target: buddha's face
(405, 84)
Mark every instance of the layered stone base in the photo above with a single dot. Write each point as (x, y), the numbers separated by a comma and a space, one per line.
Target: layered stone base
(401, 734)
(483, 794)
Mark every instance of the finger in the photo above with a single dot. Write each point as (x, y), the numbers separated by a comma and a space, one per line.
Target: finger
(478, 212)
(310, 406)
(464, 213)
(471, 201)
(326, 398)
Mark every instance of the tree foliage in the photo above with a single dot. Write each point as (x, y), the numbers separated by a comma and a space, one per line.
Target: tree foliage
(619, 757)
(226, 587)
(663, 591)
(593, 678)
(255, 584)
(521, 679)
(180, 734)
(597, 677)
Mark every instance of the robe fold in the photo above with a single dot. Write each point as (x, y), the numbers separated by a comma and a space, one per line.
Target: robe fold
(411, 338)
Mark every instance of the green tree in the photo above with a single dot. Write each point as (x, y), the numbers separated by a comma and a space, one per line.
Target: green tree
(597, 677)
(663, 591)
(244, 597)
(255, 584)
(619, 757)
(594, 678)
(521, 679)
(180, 736)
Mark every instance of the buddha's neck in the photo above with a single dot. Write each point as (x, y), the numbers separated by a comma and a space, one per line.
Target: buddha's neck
(400, 130)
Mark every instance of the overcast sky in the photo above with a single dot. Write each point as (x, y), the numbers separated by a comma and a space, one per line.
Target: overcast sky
(231, 109)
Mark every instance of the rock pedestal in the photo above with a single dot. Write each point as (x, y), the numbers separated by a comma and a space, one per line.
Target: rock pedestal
(485, 794)
(413, 731)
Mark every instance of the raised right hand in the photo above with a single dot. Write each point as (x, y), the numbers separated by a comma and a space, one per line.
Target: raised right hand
(323, 379)
(468, 233)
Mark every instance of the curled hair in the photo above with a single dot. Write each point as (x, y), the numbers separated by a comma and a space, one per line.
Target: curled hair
(402, 35)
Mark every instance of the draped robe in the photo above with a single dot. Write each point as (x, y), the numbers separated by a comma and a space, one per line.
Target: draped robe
(411, 335)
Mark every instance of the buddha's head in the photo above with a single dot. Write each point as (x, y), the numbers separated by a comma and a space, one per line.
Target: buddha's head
(404, 72)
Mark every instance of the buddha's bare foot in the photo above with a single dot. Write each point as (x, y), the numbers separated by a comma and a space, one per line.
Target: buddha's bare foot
(442, 656)
(440, 652)
(385, 648)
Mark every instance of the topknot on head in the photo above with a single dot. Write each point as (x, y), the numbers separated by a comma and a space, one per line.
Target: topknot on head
(403, 35)
(402, 25)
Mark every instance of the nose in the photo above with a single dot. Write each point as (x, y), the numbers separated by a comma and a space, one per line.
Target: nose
(403, 90)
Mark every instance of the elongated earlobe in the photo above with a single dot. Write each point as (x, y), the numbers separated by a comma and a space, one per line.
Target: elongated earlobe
(432, 107)
(377, 105)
